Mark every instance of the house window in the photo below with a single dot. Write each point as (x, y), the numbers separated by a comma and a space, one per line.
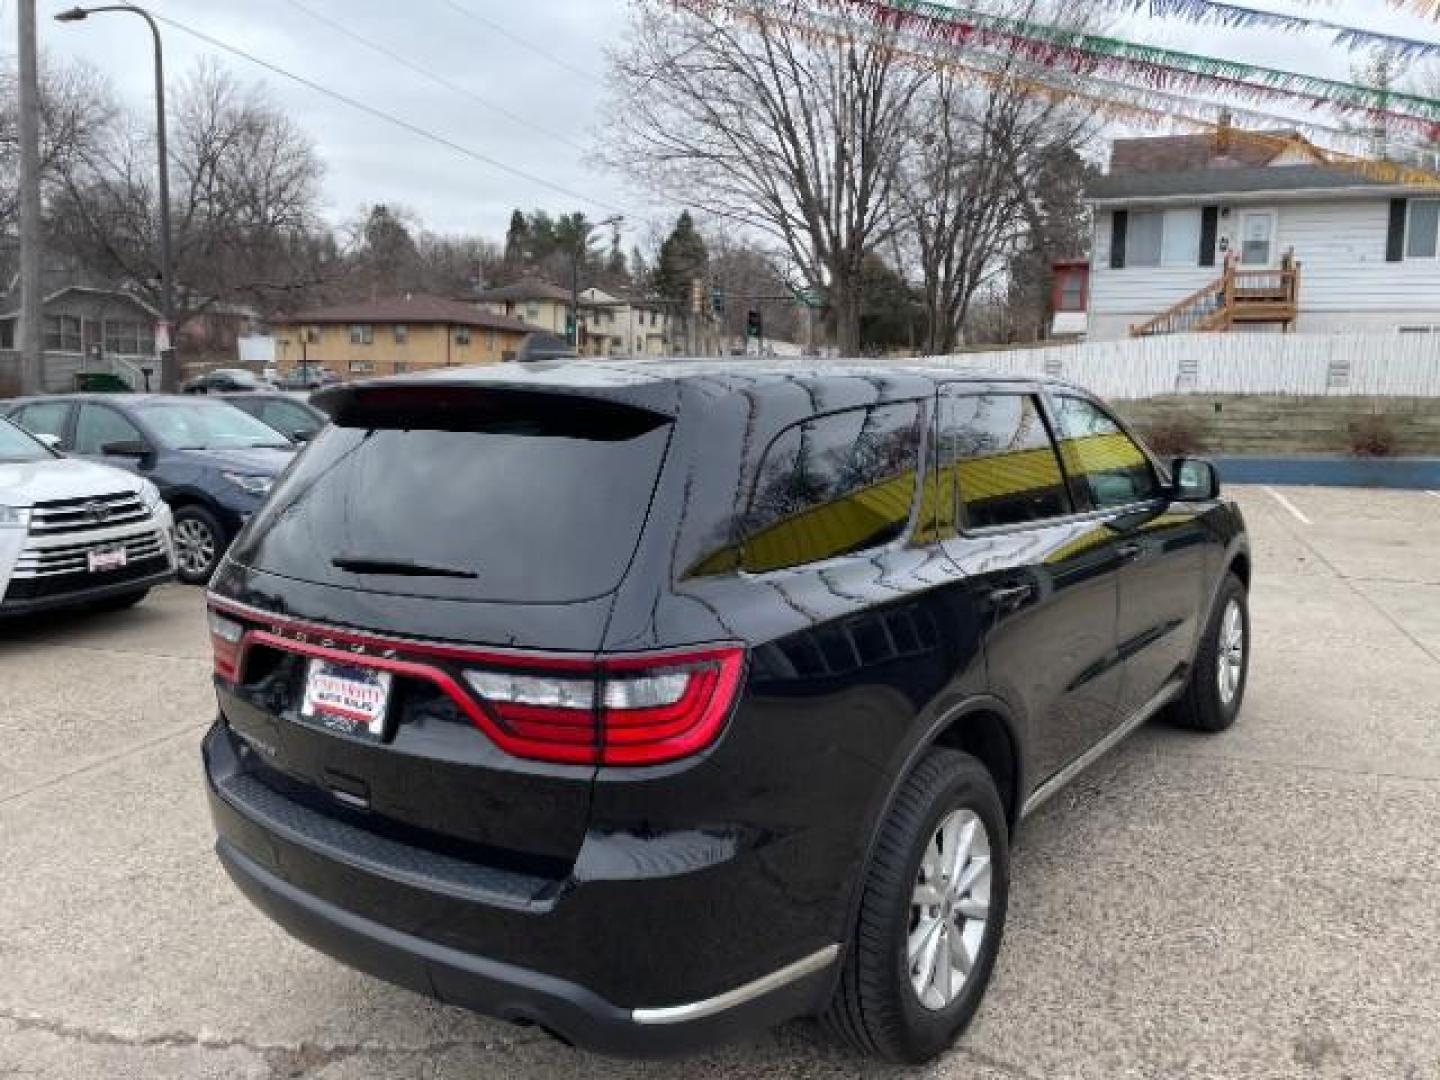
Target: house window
(1257, 238)
(362, 334)
(62, 333)
(401, 367)
(312, 335)
(1422, 230)
(1163, 238)
(489, 341)
(129, 339)
(360, 367)
(532, 311)
(402, 333)
(462, 335)
(7, 334)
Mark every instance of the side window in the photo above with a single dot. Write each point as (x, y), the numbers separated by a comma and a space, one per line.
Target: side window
(997, 452)
(1104, 463)
(289, 417)
(833, 485)
(100, 425)
(44, 418)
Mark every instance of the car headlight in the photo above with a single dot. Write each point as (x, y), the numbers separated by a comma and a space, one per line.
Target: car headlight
(149, 496)
(254, 485)
(14, 517)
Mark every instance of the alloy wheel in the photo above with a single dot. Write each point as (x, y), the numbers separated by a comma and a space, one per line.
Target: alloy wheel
(949, 909)
(194, 546)
(1230, 667)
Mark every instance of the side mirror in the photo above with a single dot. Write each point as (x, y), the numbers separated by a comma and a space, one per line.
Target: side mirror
(51, 442)
(126, 448)
(301, 437)
(1195, 480)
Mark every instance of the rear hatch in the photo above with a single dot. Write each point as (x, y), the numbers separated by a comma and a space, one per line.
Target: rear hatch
(406, 633)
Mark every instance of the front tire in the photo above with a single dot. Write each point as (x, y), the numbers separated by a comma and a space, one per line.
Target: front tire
(932, 915)
(200, 543)
(1216, 690)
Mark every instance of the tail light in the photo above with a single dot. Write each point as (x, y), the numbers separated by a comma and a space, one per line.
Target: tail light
(624, 711)
(225, 637)
(618, 710)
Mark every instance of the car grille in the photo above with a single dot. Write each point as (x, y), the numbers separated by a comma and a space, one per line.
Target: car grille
(38, 588)
(65, 559)
(84, 514)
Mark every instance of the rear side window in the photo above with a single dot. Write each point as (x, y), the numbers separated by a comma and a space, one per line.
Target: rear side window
(996, 450)
(833, 485)
(1104, 462)
(99, 426)
(474, 495)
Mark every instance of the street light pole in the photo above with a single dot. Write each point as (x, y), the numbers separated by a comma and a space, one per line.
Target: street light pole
(169, 370)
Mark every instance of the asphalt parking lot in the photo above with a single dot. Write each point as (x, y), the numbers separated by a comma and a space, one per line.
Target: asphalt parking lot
(1265, 903)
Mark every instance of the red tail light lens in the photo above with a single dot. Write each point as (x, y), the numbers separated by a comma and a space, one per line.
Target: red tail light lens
(627, 711)
(225, 637)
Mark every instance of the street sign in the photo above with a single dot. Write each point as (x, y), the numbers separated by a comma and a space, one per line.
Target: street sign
(812, 298)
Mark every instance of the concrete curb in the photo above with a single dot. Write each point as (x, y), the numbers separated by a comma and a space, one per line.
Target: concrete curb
(1331, 471)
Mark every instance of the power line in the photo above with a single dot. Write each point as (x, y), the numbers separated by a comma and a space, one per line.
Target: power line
(440, 80)
(518, 40)
(380, 114)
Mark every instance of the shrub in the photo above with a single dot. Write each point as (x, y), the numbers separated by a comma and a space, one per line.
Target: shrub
(1372, 435)
(1173, 435)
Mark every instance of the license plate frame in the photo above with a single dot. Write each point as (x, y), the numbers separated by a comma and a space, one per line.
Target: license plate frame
(106, 560)
(349, 699)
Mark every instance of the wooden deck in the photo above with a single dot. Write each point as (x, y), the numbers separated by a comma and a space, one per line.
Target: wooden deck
(1236, 296)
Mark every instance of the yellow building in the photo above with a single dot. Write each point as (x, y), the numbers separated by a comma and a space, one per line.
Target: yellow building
(610, 325)
(413, 332)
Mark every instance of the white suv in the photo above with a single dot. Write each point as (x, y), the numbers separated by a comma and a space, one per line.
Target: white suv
(72, 532)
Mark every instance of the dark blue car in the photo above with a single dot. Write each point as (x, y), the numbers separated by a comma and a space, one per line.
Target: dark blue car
(213, 463)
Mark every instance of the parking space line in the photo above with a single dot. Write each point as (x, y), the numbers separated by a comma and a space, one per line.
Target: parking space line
(1294, 510)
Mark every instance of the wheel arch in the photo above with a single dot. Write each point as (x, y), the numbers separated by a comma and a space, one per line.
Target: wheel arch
(982, 726)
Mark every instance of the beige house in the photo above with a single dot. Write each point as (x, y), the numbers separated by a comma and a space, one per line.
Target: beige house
(610, 325)
(405, 333)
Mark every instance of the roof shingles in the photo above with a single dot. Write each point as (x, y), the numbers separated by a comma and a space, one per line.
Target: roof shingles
(418, 308)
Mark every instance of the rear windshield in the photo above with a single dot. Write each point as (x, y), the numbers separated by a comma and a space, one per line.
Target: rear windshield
(492, 495)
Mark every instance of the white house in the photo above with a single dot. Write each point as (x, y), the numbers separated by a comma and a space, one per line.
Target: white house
(1174, 213)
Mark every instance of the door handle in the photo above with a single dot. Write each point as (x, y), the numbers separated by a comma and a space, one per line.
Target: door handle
(1011, 596)
(1130, 552)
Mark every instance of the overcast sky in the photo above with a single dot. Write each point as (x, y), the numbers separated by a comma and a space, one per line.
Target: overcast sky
(369, 161)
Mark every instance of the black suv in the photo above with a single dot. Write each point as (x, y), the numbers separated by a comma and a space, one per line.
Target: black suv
(652, 702)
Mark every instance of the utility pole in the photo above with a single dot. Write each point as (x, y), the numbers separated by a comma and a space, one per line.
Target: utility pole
(32, 328)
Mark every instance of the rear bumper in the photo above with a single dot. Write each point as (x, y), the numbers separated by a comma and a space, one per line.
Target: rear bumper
(77, 597)
(295, 882)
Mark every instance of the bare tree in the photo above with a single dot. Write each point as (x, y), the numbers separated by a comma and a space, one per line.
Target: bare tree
(760, 120)
(975, 180)
(244, 208)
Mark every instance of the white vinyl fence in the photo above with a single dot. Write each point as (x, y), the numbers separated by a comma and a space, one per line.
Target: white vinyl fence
(1371, 365)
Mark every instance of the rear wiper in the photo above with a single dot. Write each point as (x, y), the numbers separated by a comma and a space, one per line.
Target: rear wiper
(361, 564)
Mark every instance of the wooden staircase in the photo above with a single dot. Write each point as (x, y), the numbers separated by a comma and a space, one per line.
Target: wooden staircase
(1236, 296)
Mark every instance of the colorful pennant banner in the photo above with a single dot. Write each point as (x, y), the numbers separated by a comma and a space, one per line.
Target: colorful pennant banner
(1081, 52)
(1237, 15)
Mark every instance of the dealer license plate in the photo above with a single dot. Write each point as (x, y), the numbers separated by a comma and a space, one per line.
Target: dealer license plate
(346, 698)
(105, 559)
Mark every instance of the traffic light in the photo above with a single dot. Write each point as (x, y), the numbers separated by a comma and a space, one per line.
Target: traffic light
(754, 324)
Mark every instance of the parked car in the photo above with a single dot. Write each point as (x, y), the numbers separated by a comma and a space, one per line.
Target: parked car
(658, 701)
(225, 381)
(308, 377)
(74, 533)
(290, 414)
(213, 463)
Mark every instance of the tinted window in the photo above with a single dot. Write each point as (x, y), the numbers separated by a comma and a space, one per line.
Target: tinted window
(996, 450)
(832, 485)
(1101, 459)
(44, 418)
(508, 495)
(290, 418)
(99, 425)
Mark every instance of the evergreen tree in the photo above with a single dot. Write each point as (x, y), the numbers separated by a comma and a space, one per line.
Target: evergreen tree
(683, 258)
(517, 238)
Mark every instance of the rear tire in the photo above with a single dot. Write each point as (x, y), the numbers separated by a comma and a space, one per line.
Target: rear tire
(1216, 690)
(200, 544)
(890, 1001)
